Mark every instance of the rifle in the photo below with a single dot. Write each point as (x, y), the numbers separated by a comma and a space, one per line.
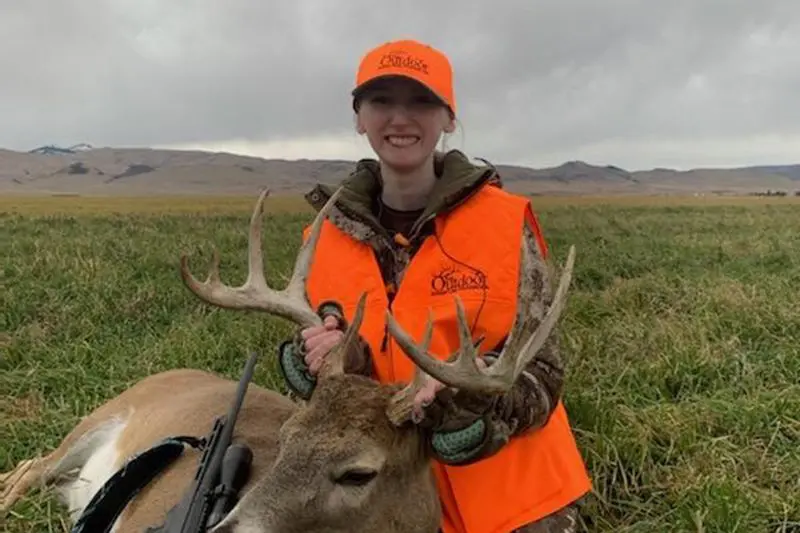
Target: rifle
(222, 472)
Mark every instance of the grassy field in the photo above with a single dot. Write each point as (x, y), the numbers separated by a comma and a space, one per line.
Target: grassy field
(682, 338)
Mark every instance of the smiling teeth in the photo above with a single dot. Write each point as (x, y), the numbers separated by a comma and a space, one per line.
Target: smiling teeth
(402, 140)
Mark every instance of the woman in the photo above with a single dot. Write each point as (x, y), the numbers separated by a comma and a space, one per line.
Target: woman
(421, 217)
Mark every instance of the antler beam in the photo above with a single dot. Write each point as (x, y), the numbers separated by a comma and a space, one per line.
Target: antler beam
(401, 406)
(290, 303)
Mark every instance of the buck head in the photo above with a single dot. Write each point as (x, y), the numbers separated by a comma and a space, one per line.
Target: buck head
(343, 463)
(343, 467)
(351, 459)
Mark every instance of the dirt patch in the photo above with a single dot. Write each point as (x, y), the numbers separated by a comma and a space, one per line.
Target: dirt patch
(24, 408)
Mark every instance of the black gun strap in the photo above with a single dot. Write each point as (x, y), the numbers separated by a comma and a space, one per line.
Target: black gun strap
(112, 498)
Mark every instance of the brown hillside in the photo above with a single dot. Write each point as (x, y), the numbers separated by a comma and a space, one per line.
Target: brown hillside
(142, 171)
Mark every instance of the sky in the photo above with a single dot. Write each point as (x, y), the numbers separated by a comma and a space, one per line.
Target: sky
(636, 84)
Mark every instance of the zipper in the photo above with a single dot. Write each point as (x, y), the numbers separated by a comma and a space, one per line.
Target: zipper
(390, 296)
(349, 213)
(480, 182)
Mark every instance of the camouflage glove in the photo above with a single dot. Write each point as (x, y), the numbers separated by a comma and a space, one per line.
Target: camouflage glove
(462, 428)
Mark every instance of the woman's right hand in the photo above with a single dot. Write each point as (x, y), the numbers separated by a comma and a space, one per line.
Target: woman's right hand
(318, 341)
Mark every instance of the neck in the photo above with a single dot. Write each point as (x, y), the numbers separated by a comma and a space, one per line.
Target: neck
(407, 191)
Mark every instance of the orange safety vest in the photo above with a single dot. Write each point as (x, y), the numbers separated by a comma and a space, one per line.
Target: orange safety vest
(477, 255)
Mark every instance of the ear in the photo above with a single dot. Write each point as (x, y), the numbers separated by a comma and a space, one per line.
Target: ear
(450, 125)
(360, 128)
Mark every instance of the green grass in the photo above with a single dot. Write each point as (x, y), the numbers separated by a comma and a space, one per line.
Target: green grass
(682, 339)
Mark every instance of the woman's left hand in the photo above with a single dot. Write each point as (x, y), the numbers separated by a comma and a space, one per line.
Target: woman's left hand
(427, 393)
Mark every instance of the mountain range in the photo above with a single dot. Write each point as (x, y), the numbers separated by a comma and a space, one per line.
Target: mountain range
(84, 170)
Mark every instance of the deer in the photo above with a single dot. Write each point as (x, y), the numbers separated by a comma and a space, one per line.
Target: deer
(349, 459)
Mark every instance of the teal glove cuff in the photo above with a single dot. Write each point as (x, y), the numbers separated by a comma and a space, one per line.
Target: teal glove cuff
(295, 371)
(461, 446)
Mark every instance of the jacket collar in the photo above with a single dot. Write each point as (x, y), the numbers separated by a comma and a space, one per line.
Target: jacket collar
(458, 179)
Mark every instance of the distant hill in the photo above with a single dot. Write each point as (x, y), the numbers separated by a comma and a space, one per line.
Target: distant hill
(83, 169)
(57, 150)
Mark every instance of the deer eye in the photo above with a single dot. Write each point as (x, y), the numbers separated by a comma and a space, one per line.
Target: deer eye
(356, 477)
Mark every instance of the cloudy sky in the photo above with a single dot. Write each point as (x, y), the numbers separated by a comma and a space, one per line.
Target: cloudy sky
(638, 84)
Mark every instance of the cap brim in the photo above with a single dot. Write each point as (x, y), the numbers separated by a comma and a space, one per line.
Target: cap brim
(372, 82)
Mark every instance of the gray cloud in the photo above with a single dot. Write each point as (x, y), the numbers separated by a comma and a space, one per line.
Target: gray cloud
(632, 83)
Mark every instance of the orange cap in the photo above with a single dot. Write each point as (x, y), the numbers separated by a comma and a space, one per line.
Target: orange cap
(411, 59)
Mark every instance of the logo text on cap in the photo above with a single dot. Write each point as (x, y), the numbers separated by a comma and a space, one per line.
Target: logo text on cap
(400, 59)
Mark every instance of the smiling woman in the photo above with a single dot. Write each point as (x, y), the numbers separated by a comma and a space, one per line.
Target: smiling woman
(411, 217)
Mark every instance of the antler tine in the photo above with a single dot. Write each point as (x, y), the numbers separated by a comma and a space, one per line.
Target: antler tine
(335, 360)
(514, 358)
(462, 372)
(290, 303)
(401, 405)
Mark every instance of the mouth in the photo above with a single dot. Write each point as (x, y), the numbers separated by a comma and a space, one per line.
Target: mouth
(401, 141)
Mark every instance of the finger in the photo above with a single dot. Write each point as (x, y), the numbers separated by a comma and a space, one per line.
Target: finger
(315, 358)
(427, 393)
(310, 345)
(313, 331)
(330, 322)
(313, 350)
(423, 399)
(322, 339)
(316, 350)
(312, 342)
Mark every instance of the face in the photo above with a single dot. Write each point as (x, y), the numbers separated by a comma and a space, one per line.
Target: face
(342, 467)
(403, 122)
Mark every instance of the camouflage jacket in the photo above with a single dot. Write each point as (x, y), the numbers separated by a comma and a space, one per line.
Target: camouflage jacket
(534, 397)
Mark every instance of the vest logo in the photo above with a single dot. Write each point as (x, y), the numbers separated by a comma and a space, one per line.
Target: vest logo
(451, 279)
(400, 59)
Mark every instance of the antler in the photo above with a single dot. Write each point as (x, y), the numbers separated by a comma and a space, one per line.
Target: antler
(255, 294)
(401, 406)
(461, 369)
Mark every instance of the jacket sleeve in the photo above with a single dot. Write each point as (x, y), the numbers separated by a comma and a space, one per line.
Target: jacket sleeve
(537, 391)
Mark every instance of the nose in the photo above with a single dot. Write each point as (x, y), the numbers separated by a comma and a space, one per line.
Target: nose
(400, 114)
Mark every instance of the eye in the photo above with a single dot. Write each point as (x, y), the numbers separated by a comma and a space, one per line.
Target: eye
(379, 99)
(356, 477)
(425, 100)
